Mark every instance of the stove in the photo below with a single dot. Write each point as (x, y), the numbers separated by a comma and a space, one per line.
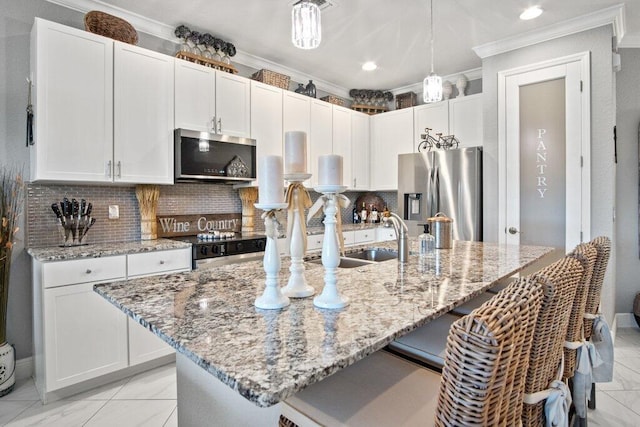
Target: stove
(224, 248)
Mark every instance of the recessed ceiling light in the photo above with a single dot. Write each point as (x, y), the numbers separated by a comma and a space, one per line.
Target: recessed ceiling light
(369, 66)
(530, 13)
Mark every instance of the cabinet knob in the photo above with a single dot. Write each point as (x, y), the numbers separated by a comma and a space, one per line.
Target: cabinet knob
(161, 262)
(88, 271)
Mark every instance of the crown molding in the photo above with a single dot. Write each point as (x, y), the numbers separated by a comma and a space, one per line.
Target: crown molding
(614, 15)
(472, 74)
(630, 41)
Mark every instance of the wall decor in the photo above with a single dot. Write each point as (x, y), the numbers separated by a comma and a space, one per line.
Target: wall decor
(205, 49)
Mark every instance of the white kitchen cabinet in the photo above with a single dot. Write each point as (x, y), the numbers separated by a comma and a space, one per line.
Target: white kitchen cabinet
(384, 234)
(314, 241)
(342, 141)
(195, 97)
(78, 335)
(321, 135)
(233, 104)
(83, 335)
(368, 235)
(391, 134)
(143, 115)
(213, 101)
(465, 120)
(72, 96)
(266, 119)
(360, 151)
(433, 116)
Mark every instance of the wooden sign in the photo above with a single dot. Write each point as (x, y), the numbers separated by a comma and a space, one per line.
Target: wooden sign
(190, 225)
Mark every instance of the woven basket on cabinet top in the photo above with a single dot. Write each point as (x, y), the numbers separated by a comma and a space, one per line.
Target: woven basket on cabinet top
(110, 26)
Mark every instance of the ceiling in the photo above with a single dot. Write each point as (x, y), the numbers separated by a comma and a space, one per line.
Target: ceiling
(394, 34)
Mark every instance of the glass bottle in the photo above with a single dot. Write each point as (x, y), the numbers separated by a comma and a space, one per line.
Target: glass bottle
(356, 216)
(363, 213)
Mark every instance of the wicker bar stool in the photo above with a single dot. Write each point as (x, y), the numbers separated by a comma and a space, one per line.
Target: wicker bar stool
(385, 390)
(560, 281)
(603, 248)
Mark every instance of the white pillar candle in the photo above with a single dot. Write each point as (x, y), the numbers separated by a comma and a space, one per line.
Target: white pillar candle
(330, 169)
(270, 180)
(295, 152)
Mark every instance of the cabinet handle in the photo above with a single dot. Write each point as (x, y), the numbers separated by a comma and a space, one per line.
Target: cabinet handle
(119, 169)
(88, 271)
(219, 125)
(108, 170)
(354, 183)
(213, 124)
(161, 262)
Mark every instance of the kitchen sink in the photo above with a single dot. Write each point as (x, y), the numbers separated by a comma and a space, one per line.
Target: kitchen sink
(359, 259)
(376, 255)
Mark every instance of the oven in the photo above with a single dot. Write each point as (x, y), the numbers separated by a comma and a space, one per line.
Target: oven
(210, 250)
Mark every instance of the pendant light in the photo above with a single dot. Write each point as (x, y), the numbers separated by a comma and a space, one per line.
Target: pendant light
(306, 32)
(432, 84)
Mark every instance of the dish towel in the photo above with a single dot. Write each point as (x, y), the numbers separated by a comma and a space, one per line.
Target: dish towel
(602, 341)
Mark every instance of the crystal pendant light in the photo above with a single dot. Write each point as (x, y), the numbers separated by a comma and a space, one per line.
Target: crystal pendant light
(432, 84)
(306, 32)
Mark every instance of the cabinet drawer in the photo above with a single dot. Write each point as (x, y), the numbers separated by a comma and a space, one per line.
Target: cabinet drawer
(314, 241)
(348, 237)
(83, 271)
(383, 234)
(158, 262)
(364, 236)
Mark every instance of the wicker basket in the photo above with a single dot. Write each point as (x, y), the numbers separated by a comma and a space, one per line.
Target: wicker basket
(406, 100)
(272, 78)
(110, 26)
(332, 99)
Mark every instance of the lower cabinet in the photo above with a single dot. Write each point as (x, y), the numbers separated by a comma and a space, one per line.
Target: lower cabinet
(384, 234)
(78, 335)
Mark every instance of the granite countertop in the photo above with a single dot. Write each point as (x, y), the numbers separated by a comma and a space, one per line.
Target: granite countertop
(269, 355)
(57, 253)
(345, 227)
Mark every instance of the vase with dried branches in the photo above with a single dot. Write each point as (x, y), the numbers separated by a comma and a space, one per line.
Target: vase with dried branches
(11, 197)
(147, 196)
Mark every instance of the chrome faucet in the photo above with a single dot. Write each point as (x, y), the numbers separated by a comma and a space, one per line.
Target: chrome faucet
(402, 235)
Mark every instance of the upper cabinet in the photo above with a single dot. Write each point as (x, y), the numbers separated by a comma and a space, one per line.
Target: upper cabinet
(391, 134)
(465, 120)
(72, 72)
(360, 151)
(103, 109)
(211, 101)
(342, 142)
(433, 116)
(143, 115)
(266, 119)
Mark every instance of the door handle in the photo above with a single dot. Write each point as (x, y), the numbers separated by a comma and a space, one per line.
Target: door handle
(108, 169)
(119, 175)
(513, 230)
(219, 125)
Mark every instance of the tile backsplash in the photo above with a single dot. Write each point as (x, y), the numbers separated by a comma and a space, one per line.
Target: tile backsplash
(42, 229)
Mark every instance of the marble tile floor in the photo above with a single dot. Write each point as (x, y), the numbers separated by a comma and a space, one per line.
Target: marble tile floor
(149, 398)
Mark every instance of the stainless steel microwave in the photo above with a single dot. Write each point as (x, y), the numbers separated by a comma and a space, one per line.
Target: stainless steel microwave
(203, 156)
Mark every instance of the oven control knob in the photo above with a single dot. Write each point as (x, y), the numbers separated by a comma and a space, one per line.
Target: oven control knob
(239, 246)
(260, 244)
(204, 250)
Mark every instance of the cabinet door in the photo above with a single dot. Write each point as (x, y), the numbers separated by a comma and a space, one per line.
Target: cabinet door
(321, 135)
(434, 116)
(392, 134)
(266, 119)
(314, 241)
(342, 141)
(73, 100)
(195, 96)
(144, 345)
(296, 116)
(465, 120)
(233, 104)
(85, 336)
(360, 151)
(143, 115)
(158, 262)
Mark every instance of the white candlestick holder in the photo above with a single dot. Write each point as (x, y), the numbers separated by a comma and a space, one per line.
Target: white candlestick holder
(330, 298)
(297, 286)
(272, 298)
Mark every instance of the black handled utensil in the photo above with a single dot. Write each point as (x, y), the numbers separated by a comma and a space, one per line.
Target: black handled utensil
(56, 210)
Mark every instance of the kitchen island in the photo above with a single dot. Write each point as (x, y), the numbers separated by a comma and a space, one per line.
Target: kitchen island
(265, 356)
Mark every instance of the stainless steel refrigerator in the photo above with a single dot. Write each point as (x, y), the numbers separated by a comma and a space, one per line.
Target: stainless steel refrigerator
(447, 181)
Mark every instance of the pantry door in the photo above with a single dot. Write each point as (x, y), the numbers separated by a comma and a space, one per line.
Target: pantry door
(544, 153)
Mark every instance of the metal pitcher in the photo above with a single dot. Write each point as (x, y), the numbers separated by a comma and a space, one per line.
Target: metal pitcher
(441, 228)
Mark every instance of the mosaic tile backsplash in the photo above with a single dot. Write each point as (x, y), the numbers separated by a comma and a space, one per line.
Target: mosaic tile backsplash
(42, 229)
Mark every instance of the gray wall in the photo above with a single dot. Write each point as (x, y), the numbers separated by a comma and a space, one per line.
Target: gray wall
(598, 41)
(627, 121)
